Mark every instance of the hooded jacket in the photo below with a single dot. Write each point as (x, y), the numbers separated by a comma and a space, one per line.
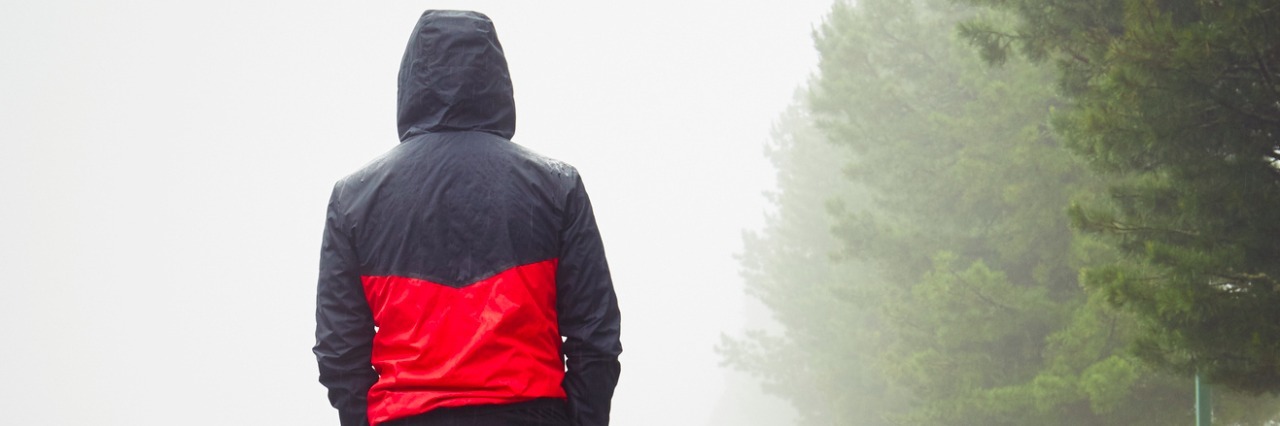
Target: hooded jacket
(460, 269)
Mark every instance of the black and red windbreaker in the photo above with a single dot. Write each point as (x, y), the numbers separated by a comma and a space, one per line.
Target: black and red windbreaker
(452, 265)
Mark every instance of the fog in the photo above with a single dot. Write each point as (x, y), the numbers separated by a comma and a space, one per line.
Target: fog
(166, 166)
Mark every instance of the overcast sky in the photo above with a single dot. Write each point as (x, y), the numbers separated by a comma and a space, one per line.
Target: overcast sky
(166, 165)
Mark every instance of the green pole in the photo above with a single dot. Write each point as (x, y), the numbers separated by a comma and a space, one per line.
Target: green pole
(1204, 411)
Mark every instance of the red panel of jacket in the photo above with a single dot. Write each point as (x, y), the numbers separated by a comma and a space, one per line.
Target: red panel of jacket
(495, 341)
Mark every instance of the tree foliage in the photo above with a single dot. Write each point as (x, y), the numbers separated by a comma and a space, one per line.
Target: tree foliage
(921, 260)
(968, 231)
(1177, 104)
(826, 363)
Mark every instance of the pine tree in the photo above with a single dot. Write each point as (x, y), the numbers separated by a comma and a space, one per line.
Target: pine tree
(1177, 104)
(923, 266)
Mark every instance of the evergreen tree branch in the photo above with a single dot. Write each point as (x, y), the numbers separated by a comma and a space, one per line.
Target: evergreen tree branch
(1265, 71)
(969, 286)
(1241, 111)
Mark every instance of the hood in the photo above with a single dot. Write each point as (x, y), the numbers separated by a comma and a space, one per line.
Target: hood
(454, 78)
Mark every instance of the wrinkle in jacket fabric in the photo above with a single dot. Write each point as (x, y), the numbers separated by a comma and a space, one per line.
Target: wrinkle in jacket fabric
(454, 77)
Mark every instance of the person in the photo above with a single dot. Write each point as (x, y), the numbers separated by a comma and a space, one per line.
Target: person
(462, 276)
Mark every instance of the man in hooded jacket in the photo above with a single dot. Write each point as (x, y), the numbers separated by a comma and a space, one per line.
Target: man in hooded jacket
(452, 266)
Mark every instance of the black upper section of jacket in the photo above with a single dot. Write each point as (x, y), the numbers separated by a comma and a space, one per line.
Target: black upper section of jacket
(455, 208)
(456, 202)
(454, 77)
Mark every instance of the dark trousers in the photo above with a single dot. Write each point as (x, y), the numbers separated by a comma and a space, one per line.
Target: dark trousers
(538, 412)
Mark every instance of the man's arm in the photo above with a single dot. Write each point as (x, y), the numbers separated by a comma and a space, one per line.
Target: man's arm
(344, 324)
(588, 312)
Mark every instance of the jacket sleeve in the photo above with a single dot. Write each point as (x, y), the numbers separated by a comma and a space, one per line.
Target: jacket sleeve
(588, 313)
(344, 323)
